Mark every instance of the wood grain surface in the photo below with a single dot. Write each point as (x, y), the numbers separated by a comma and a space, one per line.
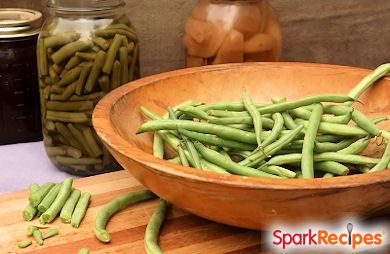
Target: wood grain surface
(181, 233)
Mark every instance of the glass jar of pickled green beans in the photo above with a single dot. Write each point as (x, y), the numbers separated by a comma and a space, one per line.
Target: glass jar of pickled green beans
(85, 49)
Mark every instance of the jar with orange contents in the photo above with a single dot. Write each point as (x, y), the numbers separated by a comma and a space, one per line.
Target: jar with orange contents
(232, 31)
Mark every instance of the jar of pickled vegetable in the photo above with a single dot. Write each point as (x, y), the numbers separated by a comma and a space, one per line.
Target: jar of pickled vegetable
(85, 49)
(232, 31)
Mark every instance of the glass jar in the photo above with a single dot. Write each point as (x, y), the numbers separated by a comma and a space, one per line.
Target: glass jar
(232, 31)
(85, 49)
(19, 93)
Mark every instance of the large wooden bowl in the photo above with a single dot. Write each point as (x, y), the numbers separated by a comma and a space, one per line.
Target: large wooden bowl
(241, 201)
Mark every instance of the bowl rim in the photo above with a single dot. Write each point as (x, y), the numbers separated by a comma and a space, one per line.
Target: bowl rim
(106, 131)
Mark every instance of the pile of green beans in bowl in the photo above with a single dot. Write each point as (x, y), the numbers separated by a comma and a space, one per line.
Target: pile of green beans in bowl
(311, 137)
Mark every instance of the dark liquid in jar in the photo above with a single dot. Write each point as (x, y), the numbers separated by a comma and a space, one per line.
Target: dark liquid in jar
(19, 92)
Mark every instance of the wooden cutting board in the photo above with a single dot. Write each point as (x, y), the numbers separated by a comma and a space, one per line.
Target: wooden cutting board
(181, 233)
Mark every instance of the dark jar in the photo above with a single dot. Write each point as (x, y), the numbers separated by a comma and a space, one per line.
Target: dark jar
(19, 92)
(85, 49)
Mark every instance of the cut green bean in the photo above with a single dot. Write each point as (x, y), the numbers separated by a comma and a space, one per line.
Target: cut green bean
(24, 244)
(71, 76)
(101, 42)
(59, 202)
(86, 56)
(65, 132)
(78, 135)
(80, 210)
(115, 206)
(69, 50)
(95, 71)
(67, 210)
(91, 142)
(29, 212)
(52, 232)
(153, 229)
(67, 117)
(37, 196)
(328, 175)
(107, 33)
(83, 251)
(123, 52)
(85, 71)
(105, 83)
(81, 161)
(69, 106)
(38, 236)
(133, 64)
(60, 39)
(49, 198)
(116, 75)
(111, 53)
(72, 63)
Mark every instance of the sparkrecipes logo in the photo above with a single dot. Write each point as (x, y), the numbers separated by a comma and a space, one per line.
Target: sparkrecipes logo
(346, 236)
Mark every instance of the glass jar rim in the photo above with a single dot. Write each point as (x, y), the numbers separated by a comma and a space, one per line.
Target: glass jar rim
(84, 5)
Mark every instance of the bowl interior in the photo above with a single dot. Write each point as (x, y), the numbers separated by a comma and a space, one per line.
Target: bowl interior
(227, 82)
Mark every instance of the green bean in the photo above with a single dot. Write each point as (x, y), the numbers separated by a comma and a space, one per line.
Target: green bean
(113, 32)
(72, 63)
(92, 96)
(57, 68)
(268, 123)
(259, 155)
(59, 202)
(115, 206)
(332, 167)
(329, 138)
(244, 127)
(255, 115)
(243, 154)
(86, 56)
(365, 123)
(37, 196)
(29, 212)
(338, 110)
(305, 114)
(133, 63)
(71, 76)
(49, 198)
(224, 113)
(211, 167)
(53, 75)
(80, 210)
(123, 52)
(177, 160)
(229, 106)
(328, 175)
(85, 71)
(69, 206)
(332, 147)
(276, 130)
(56, 89)
(337, 157)
(101, 42)
(153, 228)
(38, 236)
(69, 106)
(279, 171)
(95, 71)
(116, 75)
(339, 129)
(91, 142)
(81, 161)
(23, 244)
(121, 26)
(216, 141)
(60, 39)
(158, 146)
(78, 135)
(194, 112)
(230, 166)
(379, 119)
(182, 156)
(111, 54)
(221, 131)
(356, 147)
(65, 132)
(195, 159)
(368, 80)
(68, 92)
(52, 232)
(42, 58)
(68, 50)
(31, 229)
(68, 117)
(83, 251)
(384, 162)
(130, 49)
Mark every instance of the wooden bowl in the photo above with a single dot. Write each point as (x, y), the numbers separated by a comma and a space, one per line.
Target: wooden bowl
(241, 201)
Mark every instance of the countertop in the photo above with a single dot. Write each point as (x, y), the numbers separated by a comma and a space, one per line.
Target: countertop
(26, 163)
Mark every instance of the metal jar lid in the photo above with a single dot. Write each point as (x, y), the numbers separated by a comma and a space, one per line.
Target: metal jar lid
(16, 23)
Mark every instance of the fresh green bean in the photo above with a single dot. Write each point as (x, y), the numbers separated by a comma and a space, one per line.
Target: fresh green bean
(365, 123)
(230, 166)
(177, 160)
(116, 75)
(225, 113)
(49, 198)
(268, 123)
(69, 50)
(59, 202)
(255, 115)
(279, 171)
(52, 232)
(29, 212)
(182, 156)
(83, 251)
(123, 52)
(332, 167)
(384, 162)
(111, 54)
(194, 112)
(338, 129)
(38, 236)
(328, 175)
(211, 167)
(321, 147)
(80, 210)
(368, 80)
(276, 130)
(158, 146)
(195, 159)
(221, 131)
(337, 157)
(329, 138)
(216, 141)
(153, 228)
(356, 147)
(95, 71)
(71, 76)
(68, 117)
(69, 206)
(101, 42)
(23, 244)
(305, 114)
(114, 206)
(37, 196)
